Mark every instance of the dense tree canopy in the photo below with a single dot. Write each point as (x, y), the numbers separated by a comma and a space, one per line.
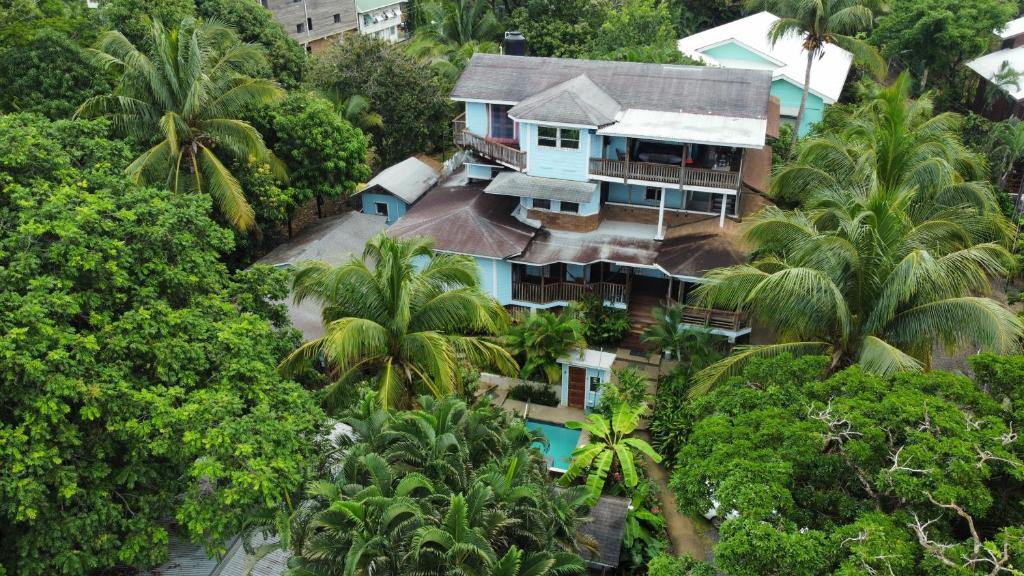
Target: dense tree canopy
(402, 89)
(857, 474)
(139, 376)
(562, 28)
(133, 18)
(445, 490)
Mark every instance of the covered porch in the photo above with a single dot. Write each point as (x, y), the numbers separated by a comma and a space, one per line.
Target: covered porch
(561, 283)
(697, 166)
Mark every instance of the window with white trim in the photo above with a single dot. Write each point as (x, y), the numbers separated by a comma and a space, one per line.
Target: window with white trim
(552, 137)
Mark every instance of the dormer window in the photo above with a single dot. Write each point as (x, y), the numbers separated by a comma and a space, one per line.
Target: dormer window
(551, 137)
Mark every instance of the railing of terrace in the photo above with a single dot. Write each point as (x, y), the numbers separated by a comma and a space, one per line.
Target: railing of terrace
(568, 292)
(665, 173)
(507, 155)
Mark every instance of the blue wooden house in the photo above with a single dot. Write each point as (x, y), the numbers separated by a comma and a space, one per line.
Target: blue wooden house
(391, 192)
(744, 43)
(618, 179)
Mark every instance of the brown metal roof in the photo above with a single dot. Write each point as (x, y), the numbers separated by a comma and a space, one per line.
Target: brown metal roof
(695, 254)
(464, 220)
(551, 246)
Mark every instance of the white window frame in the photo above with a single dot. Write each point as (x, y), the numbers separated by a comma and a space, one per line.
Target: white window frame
(378, 205)
(559, 138)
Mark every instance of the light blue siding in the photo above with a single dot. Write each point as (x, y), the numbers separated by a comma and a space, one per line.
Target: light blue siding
(491, 270)
(396, 207)
(479, 172)
(586, 209)
(555, 162)
(733, 52)
(592, 392)
(476, 118)
(635, 194)
(789, 96)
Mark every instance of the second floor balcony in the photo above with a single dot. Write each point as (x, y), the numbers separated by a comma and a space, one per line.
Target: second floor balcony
(673, 174)
(654, 162)
(502, 152)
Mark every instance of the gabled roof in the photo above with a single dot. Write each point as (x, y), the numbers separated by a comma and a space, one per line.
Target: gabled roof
(656, 87)
(1011, 29)
(828, 73)
(989, 65)
(511, 183)
(576, 101)
(464, 220)
(407, 180)
(607, 527)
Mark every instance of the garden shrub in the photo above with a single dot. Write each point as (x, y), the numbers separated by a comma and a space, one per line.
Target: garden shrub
(534, 394)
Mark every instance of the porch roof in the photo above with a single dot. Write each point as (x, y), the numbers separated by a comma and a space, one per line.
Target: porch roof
(552, 246)
(511, 183)
(696, 253)
(464, 220)
(686, 127)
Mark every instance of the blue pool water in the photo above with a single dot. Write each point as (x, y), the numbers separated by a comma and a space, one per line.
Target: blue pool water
(562, 442)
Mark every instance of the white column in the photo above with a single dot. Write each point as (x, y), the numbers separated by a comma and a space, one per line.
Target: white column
(721, 220)
(494, 278)
(661, 216)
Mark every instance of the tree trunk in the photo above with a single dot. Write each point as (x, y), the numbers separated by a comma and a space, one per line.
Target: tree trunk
(924, 79)
(803, 100)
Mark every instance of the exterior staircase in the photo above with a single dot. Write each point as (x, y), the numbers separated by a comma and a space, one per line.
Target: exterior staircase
(640, 307)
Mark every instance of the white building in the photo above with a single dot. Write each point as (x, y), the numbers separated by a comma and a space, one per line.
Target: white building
(382, 18)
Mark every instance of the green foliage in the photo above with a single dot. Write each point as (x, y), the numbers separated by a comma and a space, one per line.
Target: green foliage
(669, 565)
(691, 17)
(186, 89)
(447, 489)
(402, 316)
(541, 339)
(627, 387)
(602, 325)
(611, 448)
(892, 254)
(324, 154)
(134, 18)
(644, 536)
(830, 477)
(256, 24)
(399, 87)
(139, 375)
(449, 32)
(561, 28)
(534, 394)
(937, 36)
(48, 75)
(635, 24)
(1000, 376)
(692, 347)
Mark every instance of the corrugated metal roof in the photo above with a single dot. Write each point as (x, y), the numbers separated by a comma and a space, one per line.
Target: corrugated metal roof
(659, 87)
(751, 32)
(407, 180)
(989, 65)
(693, 128)
(1010, 29)
(464, 220)
(368, 5)
(576, 101)
(511, 183)
(608, 527)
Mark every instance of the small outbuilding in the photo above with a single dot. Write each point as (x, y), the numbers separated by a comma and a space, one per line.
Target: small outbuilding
(398, 187)
(583, 374)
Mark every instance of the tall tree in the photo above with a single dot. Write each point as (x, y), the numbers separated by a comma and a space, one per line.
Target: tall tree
(818, 23)
(402, 316)
(139, 379)
(449, 32)
(542, 339)
(186, 90)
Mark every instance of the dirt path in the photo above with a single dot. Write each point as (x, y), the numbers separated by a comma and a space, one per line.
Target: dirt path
(686, 535)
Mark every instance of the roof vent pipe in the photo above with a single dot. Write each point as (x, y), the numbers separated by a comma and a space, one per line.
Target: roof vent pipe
(514, 44)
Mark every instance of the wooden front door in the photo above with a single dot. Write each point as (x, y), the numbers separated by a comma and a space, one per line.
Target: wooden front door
(577, 386)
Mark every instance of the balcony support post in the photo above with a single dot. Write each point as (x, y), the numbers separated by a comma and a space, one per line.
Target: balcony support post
(625, 173)
(725, 202)
(661, 216)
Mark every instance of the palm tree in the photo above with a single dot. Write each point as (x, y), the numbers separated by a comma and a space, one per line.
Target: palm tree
(862, 276)
(187, 90)
(543, 338)
(821, 22)
(892, 141)
(669, 333)
(449, 32)
(1007, 146)
(610, 445)
(403, 317)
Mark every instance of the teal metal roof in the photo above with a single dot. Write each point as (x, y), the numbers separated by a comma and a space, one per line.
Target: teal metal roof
(368, 5)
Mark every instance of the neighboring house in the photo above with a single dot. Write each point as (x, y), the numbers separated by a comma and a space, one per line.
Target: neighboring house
(316, 24)
(744, 43)
(1001, 94)
(187, 559)
(391, 192)
(621, 179)
(383, 18)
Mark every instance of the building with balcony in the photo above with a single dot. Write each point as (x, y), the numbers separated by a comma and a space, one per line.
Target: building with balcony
(624, 180)
(384, 19)
(744, 43)
(316, 24)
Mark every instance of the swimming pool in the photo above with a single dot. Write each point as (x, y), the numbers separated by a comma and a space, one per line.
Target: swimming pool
(562, 441)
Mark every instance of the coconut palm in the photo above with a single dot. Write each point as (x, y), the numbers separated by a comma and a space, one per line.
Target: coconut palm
(892, 142)
(449, 32)
(688, 344)
(610, 448)
(821, 22)
(402, 317)
(859, 275)
(186, 90)
(1007, 148)
(543, 338)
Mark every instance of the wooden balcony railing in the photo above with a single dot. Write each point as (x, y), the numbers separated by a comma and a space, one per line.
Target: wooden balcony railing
(507, 155)
(665, 173)
(713, 318)
(568, 292)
